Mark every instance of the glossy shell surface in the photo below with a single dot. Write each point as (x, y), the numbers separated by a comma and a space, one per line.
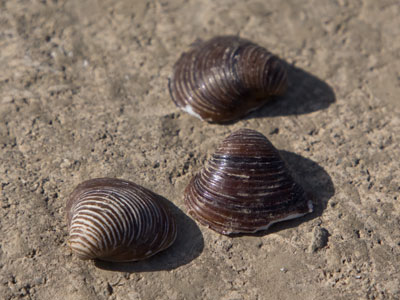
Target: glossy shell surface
(245, 187)
(225, 78)
(117, 220)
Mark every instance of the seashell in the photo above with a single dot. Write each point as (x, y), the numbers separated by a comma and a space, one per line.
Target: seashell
(245, 187)
(225, 78)
(117, 220)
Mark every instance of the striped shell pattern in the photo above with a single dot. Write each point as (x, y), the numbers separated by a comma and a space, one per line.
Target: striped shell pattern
(245, 187)
(225, 78)
(117, 220)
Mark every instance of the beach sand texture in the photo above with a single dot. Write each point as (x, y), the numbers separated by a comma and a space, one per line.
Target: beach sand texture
(84, 94)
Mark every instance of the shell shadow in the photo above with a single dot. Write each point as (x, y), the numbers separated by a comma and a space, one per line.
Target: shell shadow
(306, 93)
(188, 245)
(315, 181)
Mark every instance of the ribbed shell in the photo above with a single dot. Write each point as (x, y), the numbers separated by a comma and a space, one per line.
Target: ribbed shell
(225, 78)
(245, 187)
(117, 220)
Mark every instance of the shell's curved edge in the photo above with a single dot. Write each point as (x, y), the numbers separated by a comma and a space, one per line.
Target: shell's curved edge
(266, 227)
(188, 108)
(218, 229)
(148, 254)
(190, 111)
(117, 220)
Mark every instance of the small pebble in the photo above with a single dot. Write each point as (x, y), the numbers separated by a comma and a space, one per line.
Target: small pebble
(319, 239)
(274, 131)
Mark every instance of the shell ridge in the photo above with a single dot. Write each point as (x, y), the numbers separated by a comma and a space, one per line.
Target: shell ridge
(117, 220)
(115, 216)
(224, 78)
(100, 222)
(245, 186)
(125, 208)
(79, 232)
(90, 222)
(84, 225)
(81, 223)
(88, 206)
(209, 75)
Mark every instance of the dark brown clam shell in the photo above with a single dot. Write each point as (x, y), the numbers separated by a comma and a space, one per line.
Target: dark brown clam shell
(117, 220)
(245, 187)
(225, 78)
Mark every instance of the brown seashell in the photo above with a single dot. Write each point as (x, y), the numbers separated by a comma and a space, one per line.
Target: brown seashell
(225, 78)
(117, 220)
(245, 187)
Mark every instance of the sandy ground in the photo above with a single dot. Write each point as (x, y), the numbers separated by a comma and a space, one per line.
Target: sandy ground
(83, 94)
